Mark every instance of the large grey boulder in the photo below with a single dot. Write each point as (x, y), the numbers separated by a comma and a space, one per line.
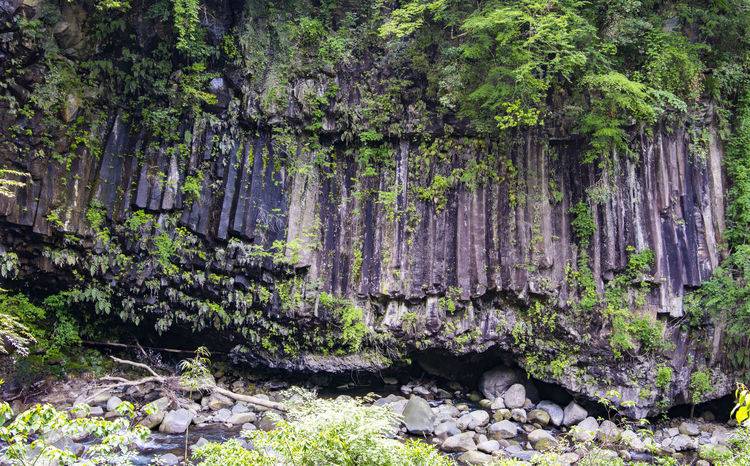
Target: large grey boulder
(169, 459)
(176, 422)
(586, 430)
(495, 382)
(503, 430)
(556, 413)
(689, 428)
(573, 414)
(418, 416)
(459, 443)
(515, 396)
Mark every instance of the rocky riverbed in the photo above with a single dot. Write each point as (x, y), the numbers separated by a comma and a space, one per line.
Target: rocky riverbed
(503, 417)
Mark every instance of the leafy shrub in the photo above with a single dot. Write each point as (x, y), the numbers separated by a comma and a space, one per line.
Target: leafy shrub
(31, 436)
(663, 377)
(700, 385)
(330, 432)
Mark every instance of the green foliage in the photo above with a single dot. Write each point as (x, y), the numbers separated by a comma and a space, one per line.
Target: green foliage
(137, 220)
(11, 180)
(409, 323)
(673, 65)
(195, 373)
(517, 52)
(326, 431)
(616, 102)
(583, 223)
(32, 436)
(47, 338)
(190, 35)
(97, 218)
(700, 385)
(663, 377)
(192, 187)
(450, 301)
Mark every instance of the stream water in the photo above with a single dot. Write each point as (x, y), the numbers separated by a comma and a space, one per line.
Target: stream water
(160, 444)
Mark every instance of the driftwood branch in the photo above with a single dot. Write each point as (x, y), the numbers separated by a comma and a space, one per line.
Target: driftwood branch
(138, 347)
(120, 382)
(145, 367)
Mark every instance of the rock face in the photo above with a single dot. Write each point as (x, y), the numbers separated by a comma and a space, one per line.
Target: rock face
(273, 233)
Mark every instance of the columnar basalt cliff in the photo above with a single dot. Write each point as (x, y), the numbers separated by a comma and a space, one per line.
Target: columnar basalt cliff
(266, 226)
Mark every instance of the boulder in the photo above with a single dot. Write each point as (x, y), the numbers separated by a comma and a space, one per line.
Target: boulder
(515, 396)
(495, 382)
(242, 418)
(113, 402)
(446, 429)
(518, 415)
(632, 441)
(388, 400)
(608, 432)
(217, 401)
(222, 415)
(248, 427)
(503, 430)
(201, 441)
(538, 416)
(556, 413)
(689, 428)
(418, 417)
(176, 422)
(682, 443)
(475, 457)
(268, 421)
(240, 408)
(586, 430)
(498, 403)
(489, 446)
(501, 414)
(474, 419)
(541, 440)
(460, 443)
(573, 414)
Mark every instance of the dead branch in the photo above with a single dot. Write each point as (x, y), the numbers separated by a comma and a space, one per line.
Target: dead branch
(120, 382)
(136, 364)
(123, 345)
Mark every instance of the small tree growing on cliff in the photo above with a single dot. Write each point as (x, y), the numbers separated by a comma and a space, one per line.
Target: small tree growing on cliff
(195, 374)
